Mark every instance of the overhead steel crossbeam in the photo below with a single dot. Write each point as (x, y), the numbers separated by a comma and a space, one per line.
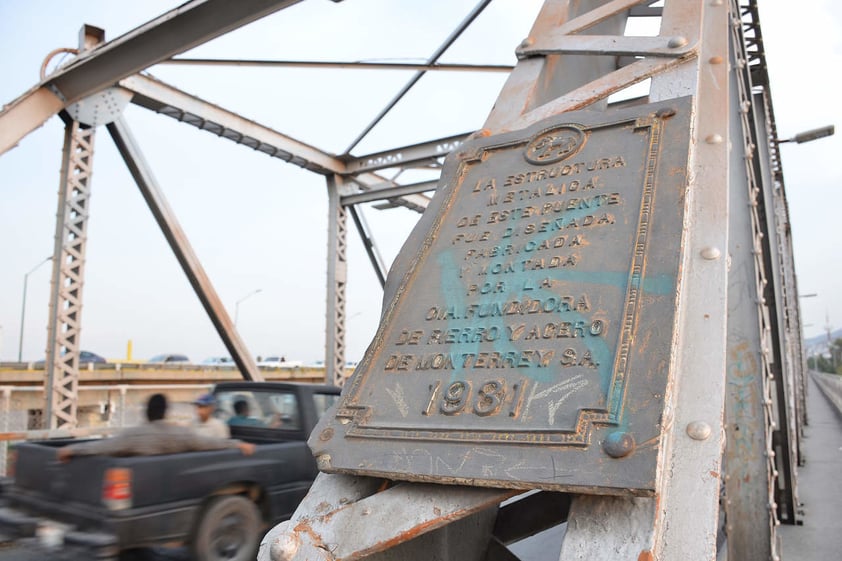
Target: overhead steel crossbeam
(155, 95)
(174, 32)
(387, 192)
(349, 65)
(432, 151)
(160, 97)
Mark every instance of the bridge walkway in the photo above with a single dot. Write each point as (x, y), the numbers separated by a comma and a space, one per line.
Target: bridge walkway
(819, 485)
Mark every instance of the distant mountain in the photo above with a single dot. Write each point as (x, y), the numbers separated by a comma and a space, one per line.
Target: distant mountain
(818, 345)
(822, 339)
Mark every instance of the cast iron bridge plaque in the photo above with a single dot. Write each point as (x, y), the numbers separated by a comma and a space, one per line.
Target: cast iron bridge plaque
(527, 335)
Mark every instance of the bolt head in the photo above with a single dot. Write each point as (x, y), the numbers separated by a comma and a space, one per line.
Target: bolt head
(618, 444)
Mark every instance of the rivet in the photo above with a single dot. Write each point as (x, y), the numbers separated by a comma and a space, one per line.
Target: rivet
(326, 434)
(677, 42)
(713, 139)
(618, 444)
(711, 253)
(526, 43)
(715, 59)
(323, 461)
(698, 430)
(285, 546)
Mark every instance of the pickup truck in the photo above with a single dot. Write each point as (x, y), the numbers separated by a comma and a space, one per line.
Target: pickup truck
(219, 503)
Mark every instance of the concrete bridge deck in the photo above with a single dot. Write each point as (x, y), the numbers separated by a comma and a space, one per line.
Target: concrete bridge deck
(819, 486)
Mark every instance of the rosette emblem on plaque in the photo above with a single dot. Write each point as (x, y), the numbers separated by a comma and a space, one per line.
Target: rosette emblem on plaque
(554, 145)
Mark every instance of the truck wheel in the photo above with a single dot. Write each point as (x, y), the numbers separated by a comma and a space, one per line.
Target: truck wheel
(229, 530)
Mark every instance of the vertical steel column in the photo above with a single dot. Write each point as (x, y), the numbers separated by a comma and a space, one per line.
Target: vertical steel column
(337, 278)
(778, 295)
(688, 521)
(65, 321)
(749, 474)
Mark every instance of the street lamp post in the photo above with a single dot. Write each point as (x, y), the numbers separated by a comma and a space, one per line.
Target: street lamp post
(810, 135)
(23, 306)
(237, 305)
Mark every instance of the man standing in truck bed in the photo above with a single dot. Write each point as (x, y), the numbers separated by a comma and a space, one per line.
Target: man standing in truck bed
(205, 423)
(155, 437)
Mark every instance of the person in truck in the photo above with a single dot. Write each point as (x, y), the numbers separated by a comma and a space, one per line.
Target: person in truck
(155, 437)
(205, 423)
(242, 415)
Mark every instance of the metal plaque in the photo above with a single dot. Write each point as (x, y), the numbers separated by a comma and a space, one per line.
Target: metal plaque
(527, 335)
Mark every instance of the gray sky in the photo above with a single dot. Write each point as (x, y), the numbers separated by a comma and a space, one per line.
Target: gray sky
(258, 223)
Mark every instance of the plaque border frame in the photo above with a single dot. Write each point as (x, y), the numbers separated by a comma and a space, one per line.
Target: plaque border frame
(350, 411)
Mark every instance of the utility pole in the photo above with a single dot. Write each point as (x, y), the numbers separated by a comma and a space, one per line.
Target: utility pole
(830, 342)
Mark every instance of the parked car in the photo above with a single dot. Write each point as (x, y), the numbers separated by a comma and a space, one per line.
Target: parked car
(279, 362)
(166, 359)
(218, 361)
(85, 358)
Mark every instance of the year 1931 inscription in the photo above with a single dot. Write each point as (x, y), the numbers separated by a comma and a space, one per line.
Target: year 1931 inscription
(534, 309)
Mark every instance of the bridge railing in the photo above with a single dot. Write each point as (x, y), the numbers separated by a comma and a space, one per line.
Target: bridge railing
(831, 387)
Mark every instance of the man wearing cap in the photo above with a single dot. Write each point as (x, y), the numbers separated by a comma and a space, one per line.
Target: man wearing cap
(205, 423)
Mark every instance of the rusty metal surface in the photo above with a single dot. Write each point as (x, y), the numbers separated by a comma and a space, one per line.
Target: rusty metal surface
(526, 342)
(346, 518)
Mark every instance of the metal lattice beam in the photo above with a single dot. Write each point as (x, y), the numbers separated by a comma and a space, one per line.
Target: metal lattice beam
(337, 280)
(65, 321)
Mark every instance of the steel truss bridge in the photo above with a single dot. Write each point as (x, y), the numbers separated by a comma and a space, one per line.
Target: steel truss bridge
(734, 401)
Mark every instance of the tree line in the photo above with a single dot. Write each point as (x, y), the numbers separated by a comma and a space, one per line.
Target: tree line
(832, 364)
